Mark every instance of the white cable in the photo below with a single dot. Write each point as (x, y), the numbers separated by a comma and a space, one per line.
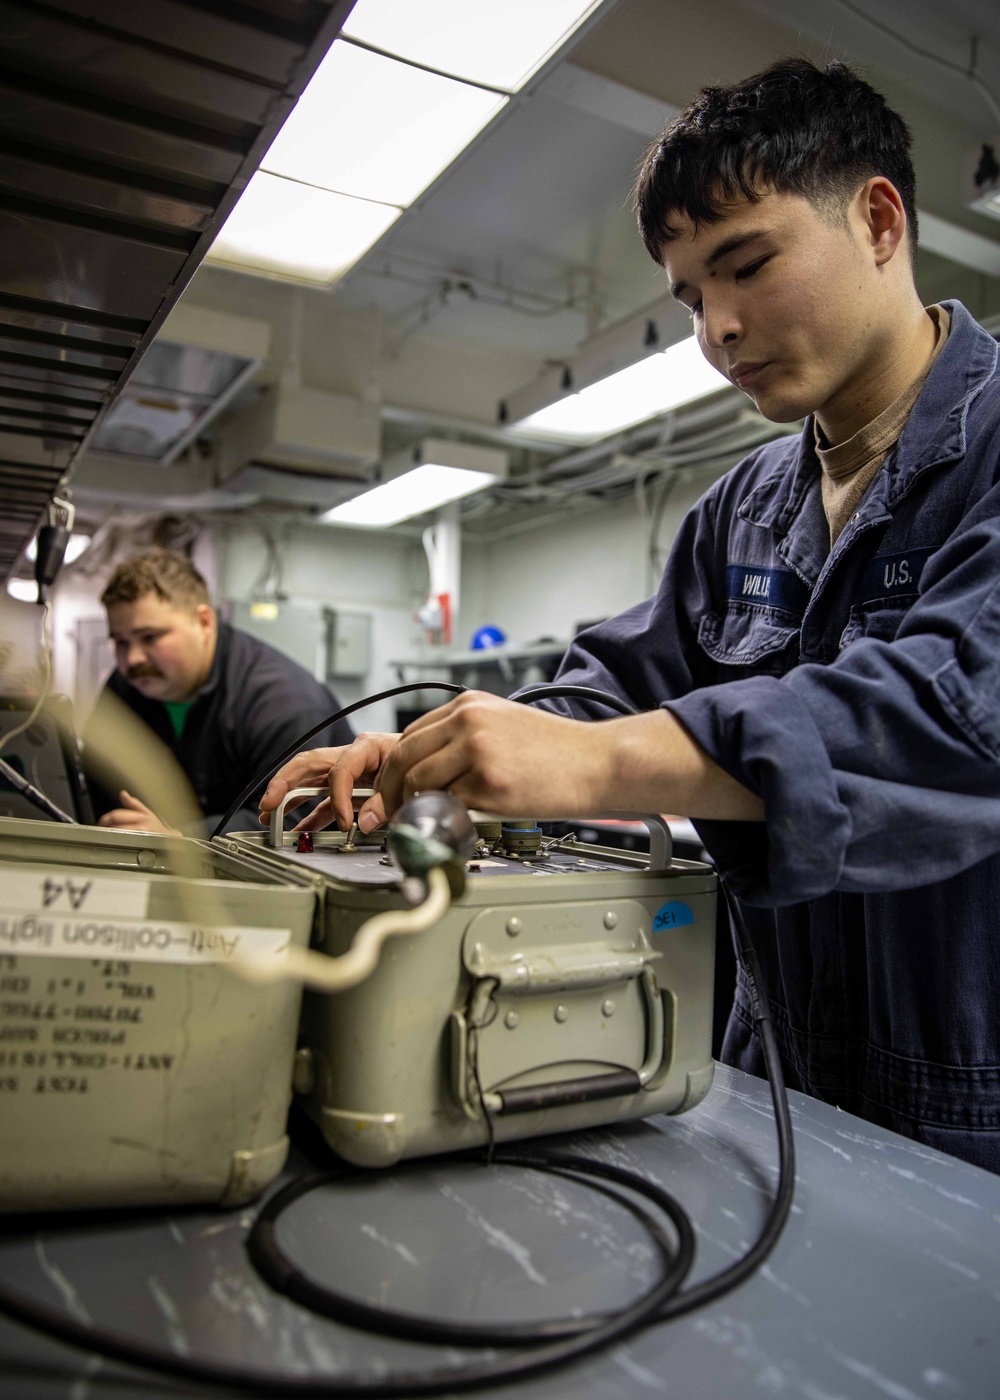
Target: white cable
(325, 974)
(429, 543)
(46, 684)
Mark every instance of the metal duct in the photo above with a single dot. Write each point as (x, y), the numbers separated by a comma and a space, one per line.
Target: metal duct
(127, 133)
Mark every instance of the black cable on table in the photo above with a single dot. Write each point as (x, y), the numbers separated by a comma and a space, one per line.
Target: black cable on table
(659, 1303)
(718, 1284)
(410, 1383)
(277, 1269)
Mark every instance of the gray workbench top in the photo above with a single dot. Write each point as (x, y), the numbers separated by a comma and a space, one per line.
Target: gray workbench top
(886, 1282)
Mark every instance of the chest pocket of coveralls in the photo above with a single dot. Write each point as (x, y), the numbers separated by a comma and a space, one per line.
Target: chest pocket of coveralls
(759, 631)
(756, 640)
(886, 592)
(870, 620)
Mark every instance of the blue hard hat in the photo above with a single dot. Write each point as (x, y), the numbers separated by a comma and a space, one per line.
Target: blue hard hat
(487, 637)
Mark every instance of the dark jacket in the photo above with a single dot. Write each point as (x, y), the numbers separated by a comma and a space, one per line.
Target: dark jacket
(255, 703)
(857, 691)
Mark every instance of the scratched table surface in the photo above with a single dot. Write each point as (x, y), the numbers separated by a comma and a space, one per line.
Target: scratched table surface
(886, 1282)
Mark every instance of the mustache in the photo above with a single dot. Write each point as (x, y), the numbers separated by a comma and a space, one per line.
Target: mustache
(137, 672)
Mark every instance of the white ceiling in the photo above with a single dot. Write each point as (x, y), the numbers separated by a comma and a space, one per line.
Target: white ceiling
(526, 246)
(545, 194)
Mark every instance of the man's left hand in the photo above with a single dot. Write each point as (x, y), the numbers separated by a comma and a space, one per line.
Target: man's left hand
(134, 815)
(499, 756)
(519, 761)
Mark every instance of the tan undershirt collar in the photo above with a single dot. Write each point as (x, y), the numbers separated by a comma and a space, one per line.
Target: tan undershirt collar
(849, 467)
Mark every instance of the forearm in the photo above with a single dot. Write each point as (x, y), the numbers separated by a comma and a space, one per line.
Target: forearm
(520, 761)
(653, 765)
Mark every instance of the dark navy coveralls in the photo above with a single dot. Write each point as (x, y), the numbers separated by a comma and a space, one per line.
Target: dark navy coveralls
(857, 691)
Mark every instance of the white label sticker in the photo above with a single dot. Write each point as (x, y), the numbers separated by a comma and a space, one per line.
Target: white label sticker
(41, 934)
(58, 892)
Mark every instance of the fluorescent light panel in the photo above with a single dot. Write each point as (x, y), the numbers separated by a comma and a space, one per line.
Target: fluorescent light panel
(665, 380)
(369, 134)
(286, 229)
(416, 492)
(24, 589)
(497, 43)
(376, 129)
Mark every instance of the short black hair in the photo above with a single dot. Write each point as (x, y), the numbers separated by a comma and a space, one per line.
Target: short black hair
(793, 128)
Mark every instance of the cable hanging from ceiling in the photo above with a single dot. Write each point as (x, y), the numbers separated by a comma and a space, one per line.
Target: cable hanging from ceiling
(969, 71)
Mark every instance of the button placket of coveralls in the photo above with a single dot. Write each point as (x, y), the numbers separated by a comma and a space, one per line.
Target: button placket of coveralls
(801, 549)
(805, 546)
(828, 608)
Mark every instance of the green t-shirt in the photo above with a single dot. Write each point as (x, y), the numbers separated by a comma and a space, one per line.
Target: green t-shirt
(178, 712)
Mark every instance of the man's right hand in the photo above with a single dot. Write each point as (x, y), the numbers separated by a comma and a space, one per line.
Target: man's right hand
(134, 815)
(340, 770)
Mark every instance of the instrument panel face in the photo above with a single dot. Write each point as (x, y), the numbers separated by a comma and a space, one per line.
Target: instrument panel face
(370, 865)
